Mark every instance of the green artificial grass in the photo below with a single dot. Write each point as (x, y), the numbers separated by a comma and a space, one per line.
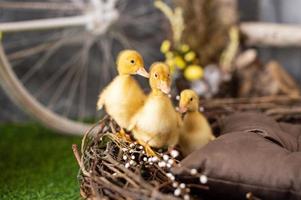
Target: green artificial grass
(36, 164)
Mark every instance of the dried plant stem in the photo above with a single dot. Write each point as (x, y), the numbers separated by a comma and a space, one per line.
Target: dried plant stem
(206, 27)
(203, 187)
(129, 173)
(175, 18)
(100, 123)
(79, 160)
(134, 183)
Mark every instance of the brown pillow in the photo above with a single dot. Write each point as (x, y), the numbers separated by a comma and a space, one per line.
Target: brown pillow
(255, 154)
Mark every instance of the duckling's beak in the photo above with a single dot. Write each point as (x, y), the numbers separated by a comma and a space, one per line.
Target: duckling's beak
(163, 86)
(183, 106)
(142, 72)
(182, 109)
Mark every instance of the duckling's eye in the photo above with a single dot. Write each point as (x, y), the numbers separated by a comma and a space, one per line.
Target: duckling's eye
(156, 75)
(132, 61)
(191, 99)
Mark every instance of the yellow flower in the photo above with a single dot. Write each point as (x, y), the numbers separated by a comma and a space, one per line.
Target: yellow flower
(171, 64)
(193, 72)
(165, 46)
(190, 56)
(184, 48)
(179, 62)
(169, 55)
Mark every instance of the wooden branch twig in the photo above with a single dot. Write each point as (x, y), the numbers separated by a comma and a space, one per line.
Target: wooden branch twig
(79, 160)
(274, 106)
(284, 111)
(253, 100)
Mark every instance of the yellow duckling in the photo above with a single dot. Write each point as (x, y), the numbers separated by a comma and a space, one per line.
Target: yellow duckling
(196, 131)
(157, 124)
(123, 97)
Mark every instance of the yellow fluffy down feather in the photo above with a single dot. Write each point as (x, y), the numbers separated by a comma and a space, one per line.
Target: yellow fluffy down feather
(196, 131)
(123, 97)
(157, 122)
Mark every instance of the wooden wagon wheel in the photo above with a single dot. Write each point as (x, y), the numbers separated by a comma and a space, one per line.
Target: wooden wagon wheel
(56, 58)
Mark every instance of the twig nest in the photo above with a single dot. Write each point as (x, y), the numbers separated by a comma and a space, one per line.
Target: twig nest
(117, 169)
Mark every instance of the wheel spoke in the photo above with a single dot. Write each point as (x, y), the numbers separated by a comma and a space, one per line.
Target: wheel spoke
(16, 63)
(25, 41)
(146, 49)
(120, 37)
(52, 50)
(83, 93)
(45, 24)
(56, 75)
(139, 22)
(83, 81)
(105, 45)
(29, 51)
(76, 68)
(61, 87)
(72, 91)
(41, 62)
(107, 63)
(39, 6)
(138, 11)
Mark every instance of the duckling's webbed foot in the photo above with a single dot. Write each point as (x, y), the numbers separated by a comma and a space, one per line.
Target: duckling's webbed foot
(148, 150)
(124, 136)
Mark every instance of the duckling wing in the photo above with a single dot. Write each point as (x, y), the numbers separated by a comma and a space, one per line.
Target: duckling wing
(101, 99)
(205, 127)
(157, 116)
(123, 98)
(133, 122)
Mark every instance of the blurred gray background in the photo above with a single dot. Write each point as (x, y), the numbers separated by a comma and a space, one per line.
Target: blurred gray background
(279, 11)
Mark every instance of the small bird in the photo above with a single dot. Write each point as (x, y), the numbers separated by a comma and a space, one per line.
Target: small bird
(123, 97)
(156, 124)
(196, 131)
